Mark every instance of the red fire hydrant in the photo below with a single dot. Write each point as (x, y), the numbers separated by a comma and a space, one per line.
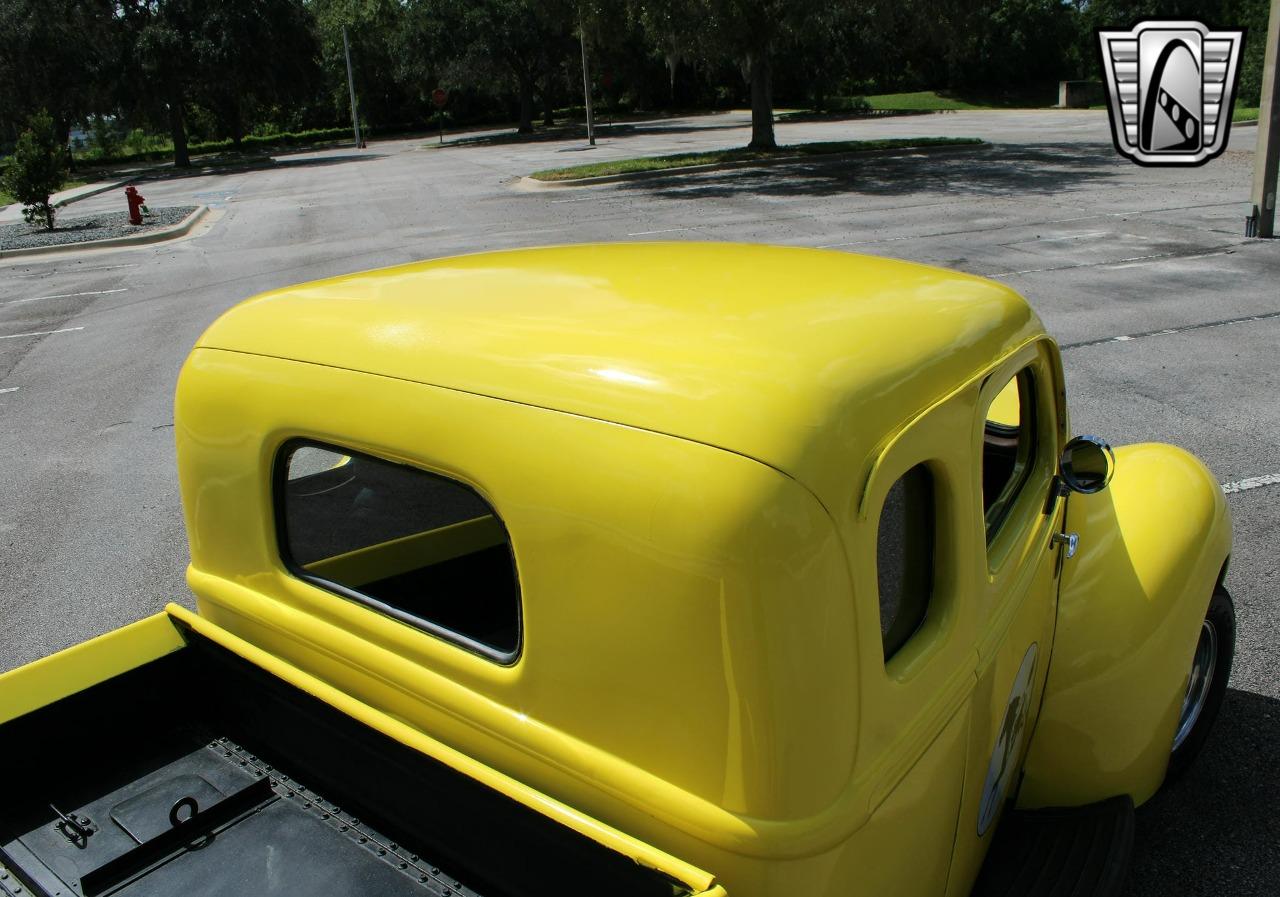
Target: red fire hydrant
(136, 200)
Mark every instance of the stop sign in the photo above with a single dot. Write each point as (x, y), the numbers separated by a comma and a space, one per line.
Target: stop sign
(439, 96)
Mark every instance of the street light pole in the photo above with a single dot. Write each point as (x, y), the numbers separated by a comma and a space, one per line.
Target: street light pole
(351, 86)
(586, 83)
(1266, 159)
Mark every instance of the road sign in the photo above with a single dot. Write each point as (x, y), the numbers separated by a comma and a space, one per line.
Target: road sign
(439, 96)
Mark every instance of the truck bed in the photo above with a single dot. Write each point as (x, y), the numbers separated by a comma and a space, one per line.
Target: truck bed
(201, 774)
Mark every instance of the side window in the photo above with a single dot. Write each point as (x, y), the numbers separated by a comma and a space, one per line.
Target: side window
(1008, 448)
(905, 557)
(421, 548)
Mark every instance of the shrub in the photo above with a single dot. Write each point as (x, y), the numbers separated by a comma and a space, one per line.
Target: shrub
(140, 143)
(36, 170)
(105, 140)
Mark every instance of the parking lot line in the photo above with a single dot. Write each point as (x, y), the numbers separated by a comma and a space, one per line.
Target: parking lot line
(10, 389)
(1267, 479)
(1264, 316)
(67, 296)
(40, 333)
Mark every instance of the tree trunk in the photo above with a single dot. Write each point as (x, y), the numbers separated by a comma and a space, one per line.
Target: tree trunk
(761, 104)
(62, 127)
(178, 130)
(526, 105)
(237, 125)
(820, 97)
(48, 215)
(548, 104)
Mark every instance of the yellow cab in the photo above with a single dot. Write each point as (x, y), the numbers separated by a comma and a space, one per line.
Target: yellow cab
(653, 569)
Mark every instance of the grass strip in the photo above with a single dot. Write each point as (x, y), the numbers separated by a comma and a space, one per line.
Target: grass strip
(720, 157)
(6, 198)
(1245, 113)
(925, 100)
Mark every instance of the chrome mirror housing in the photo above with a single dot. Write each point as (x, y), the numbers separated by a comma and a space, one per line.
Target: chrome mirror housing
(1086, 465)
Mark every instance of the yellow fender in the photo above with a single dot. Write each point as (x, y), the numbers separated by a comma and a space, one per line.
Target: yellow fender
(1153, 545)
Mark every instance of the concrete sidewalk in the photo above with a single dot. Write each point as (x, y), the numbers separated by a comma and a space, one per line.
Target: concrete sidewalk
(12, 213)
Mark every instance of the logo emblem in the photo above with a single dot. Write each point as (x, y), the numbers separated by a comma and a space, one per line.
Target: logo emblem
(1008, 747)
(1170, 87)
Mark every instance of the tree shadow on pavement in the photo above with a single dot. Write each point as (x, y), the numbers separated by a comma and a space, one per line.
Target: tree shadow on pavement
(996, 170)
(257, 163)
(577, 132)
(1217, 830)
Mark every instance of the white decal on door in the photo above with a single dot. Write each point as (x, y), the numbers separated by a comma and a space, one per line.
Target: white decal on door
(1008, 746)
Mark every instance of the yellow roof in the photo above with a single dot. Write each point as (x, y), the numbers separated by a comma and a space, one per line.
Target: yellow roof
(755, 349)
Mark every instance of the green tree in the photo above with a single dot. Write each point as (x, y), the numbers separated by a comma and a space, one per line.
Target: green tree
(37, 169)
(673, 27)
(750, 32)
(1017, 42)
(424, 48)
(160, 58)
(385, 91)
(526, 38)
(183, 59)
(253, 53)
(835, 43)
(1250, 14)
(1124, 13)
(55, 55)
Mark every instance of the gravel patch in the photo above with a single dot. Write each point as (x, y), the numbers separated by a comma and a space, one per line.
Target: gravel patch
(88, 227)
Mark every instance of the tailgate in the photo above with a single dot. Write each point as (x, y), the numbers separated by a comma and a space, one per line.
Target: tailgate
(171, 757)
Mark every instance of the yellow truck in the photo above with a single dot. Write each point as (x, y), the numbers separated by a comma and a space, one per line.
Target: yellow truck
(640, 569)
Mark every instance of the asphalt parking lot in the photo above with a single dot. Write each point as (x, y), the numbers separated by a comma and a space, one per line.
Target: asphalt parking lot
(91, 531)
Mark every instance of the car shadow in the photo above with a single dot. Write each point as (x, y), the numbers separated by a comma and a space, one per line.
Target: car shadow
(1216, 831)
(992, 170)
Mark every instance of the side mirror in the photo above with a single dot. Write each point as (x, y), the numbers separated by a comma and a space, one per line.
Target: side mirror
(1086, 465)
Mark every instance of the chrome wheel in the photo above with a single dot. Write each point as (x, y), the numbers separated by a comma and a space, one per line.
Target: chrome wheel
(1199, 683)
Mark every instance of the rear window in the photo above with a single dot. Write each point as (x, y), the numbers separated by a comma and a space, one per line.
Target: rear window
(419, 547)
(904, 558)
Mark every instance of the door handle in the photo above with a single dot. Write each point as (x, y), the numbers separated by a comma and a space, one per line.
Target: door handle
(1070, 540)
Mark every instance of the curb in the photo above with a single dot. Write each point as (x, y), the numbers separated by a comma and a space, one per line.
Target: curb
(532, 184)
(181, 229)
(94, 192)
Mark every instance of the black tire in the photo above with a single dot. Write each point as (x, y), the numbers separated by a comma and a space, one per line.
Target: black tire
(1221, 616)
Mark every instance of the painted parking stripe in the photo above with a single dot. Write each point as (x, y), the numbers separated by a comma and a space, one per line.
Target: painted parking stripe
(1131, 261)
(665, 230)
(67, 295)
(984, 230)
(1265, 316)
(1132, 258)
(1267, 479)
(10, 389)
(40, 333)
